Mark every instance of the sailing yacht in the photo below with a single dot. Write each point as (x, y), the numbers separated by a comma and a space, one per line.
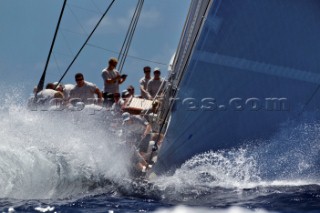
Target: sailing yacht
(243, 71)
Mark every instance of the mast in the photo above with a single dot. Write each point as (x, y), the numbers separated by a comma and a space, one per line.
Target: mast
(42, 79)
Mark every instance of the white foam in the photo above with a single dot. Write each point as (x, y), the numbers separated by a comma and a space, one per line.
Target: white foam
(44, 209)
(184, 209)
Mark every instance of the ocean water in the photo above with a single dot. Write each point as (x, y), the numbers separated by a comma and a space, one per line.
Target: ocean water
(71, 162)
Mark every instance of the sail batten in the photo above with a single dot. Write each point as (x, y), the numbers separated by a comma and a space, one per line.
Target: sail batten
(254, 66)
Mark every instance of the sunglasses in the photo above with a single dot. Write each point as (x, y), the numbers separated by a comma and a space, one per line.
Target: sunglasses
(79, 79)
(130, 89)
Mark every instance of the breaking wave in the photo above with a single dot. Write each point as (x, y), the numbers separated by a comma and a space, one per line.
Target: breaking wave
(48, 155)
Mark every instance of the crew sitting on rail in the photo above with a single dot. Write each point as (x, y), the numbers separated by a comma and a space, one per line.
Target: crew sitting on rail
(117, 105)
(126, 96)
(130, 89)
(135, 128)
(65, 89)
(45, 98)
(49, 97)
(84, 91)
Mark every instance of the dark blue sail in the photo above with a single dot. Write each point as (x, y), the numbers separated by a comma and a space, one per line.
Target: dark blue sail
(248, 68)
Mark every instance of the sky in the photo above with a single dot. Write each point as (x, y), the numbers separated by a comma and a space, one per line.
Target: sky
(27, 29)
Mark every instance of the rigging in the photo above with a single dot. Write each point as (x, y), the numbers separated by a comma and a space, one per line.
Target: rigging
(128, 39)
(124, 49)
(42, 79)
(171, 90)
(94, 29)
(130, 56)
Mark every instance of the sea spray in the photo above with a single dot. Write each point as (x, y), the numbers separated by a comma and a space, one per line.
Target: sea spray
(288, 160)
(56, 154)
(292, 154)
(204, 172)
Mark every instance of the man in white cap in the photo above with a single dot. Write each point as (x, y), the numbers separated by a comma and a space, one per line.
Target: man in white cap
(135, 127)
(156, 84)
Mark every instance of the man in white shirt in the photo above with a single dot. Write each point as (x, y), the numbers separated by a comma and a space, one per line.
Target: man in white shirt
(155, 85)
(65, 89)
(112, 80)
(84, 91)
(144, 82)
(49, 97)
(45, 98)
